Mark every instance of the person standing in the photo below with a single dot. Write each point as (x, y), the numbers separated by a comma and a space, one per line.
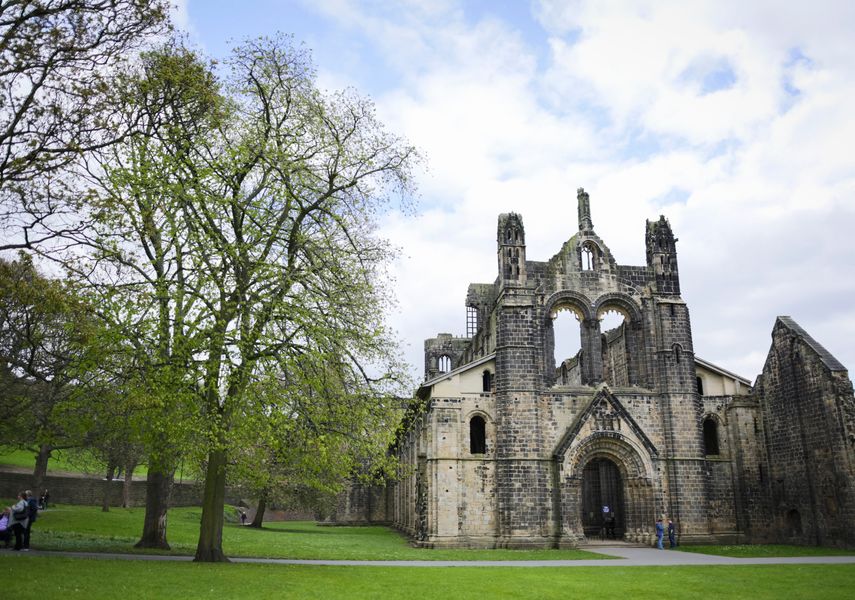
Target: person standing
(672, 534)
(33, 508)
(660, 531)
(20, 519)
(6, 527)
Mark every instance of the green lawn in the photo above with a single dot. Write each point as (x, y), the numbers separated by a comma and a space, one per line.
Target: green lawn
(767, 550)
(67, 462)
(85, 528)
(59, 461)
(47, 578)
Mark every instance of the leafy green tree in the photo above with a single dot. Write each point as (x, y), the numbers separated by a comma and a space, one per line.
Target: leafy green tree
(284, 224)
(318, 430)
(234, 238)
(56, 61)
(47, 351)
(139, 265)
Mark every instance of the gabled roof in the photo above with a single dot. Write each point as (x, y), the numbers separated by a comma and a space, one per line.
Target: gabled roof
(603, 394)
(424, 387)
(716, 369)
(824, 355)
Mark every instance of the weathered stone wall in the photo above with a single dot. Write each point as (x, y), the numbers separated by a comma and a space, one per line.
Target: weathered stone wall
(90, 492)
(615, 368)
(722, 501)
(362, 504)
(807, 405)
(444, 345)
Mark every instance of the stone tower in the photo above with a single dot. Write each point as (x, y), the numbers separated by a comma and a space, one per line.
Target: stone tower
(686, 485)
(523, 516)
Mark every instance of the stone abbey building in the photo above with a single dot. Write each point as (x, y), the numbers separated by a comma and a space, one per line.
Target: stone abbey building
(506, 445)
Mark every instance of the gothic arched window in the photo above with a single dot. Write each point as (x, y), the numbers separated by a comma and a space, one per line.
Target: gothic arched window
(587, 258)
(444, 364)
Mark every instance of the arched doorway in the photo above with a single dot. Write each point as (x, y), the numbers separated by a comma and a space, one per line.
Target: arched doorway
(602, 505)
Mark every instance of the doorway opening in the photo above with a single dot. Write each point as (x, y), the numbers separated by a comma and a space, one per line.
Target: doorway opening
(603, 514)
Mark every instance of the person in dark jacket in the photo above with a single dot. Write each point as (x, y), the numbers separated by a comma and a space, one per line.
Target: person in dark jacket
(672, 534)
(33, 506)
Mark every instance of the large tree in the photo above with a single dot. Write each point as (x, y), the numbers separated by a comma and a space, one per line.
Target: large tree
(283, 224)
(234, 237)
(139, 265)
(47, 357)
(56, 62)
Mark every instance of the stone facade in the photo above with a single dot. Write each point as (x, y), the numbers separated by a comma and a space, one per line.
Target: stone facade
(509, 445)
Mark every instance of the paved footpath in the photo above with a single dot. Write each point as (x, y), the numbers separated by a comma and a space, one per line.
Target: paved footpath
(628, 557)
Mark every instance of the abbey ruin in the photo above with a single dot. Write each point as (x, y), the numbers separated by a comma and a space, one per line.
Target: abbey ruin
(507, 445)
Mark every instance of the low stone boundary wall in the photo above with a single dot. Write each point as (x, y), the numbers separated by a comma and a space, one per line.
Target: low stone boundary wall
(90, 491)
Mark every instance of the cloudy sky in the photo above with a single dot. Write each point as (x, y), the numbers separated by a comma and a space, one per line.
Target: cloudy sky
(735, 120)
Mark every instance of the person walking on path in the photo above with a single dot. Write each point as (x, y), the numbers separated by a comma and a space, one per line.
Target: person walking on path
(20, 519)
(33, 508)
(660, 531)
(672, 534)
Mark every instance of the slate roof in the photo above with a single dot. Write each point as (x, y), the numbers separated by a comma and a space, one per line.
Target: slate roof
(824, 355)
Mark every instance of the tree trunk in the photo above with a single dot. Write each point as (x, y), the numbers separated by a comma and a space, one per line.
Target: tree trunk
(108, 485)
(210, 546)
(158, 488)
(40, 472)
(259, 512)
(126, 486)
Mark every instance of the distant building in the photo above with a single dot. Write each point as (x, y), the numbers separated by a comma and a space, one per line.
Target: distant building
(508, 445)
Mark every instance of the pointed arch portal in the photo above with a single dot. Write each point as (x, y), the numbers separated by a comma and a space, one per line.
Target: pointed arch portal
(602, 508)
(605, 470)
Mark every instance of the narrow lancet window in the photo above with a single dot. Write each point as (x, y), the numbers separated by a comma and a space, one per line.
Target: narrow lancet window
(477, 436)
(711, 437)
(487, 382)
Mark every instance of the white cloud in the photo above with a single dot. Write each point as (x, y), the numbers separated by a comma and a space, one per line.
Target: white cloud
(732, 119)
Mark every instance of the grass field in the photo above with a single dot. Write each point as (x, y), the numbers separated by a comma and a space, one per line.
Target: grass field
(767, 550)
(86, 528)
(66, 578)
(59, 461)
(68, 462)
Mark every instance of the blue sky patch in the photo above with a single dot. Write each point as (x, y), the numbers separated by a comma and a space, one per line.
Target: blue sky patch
(709, 75)
(673, 196)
